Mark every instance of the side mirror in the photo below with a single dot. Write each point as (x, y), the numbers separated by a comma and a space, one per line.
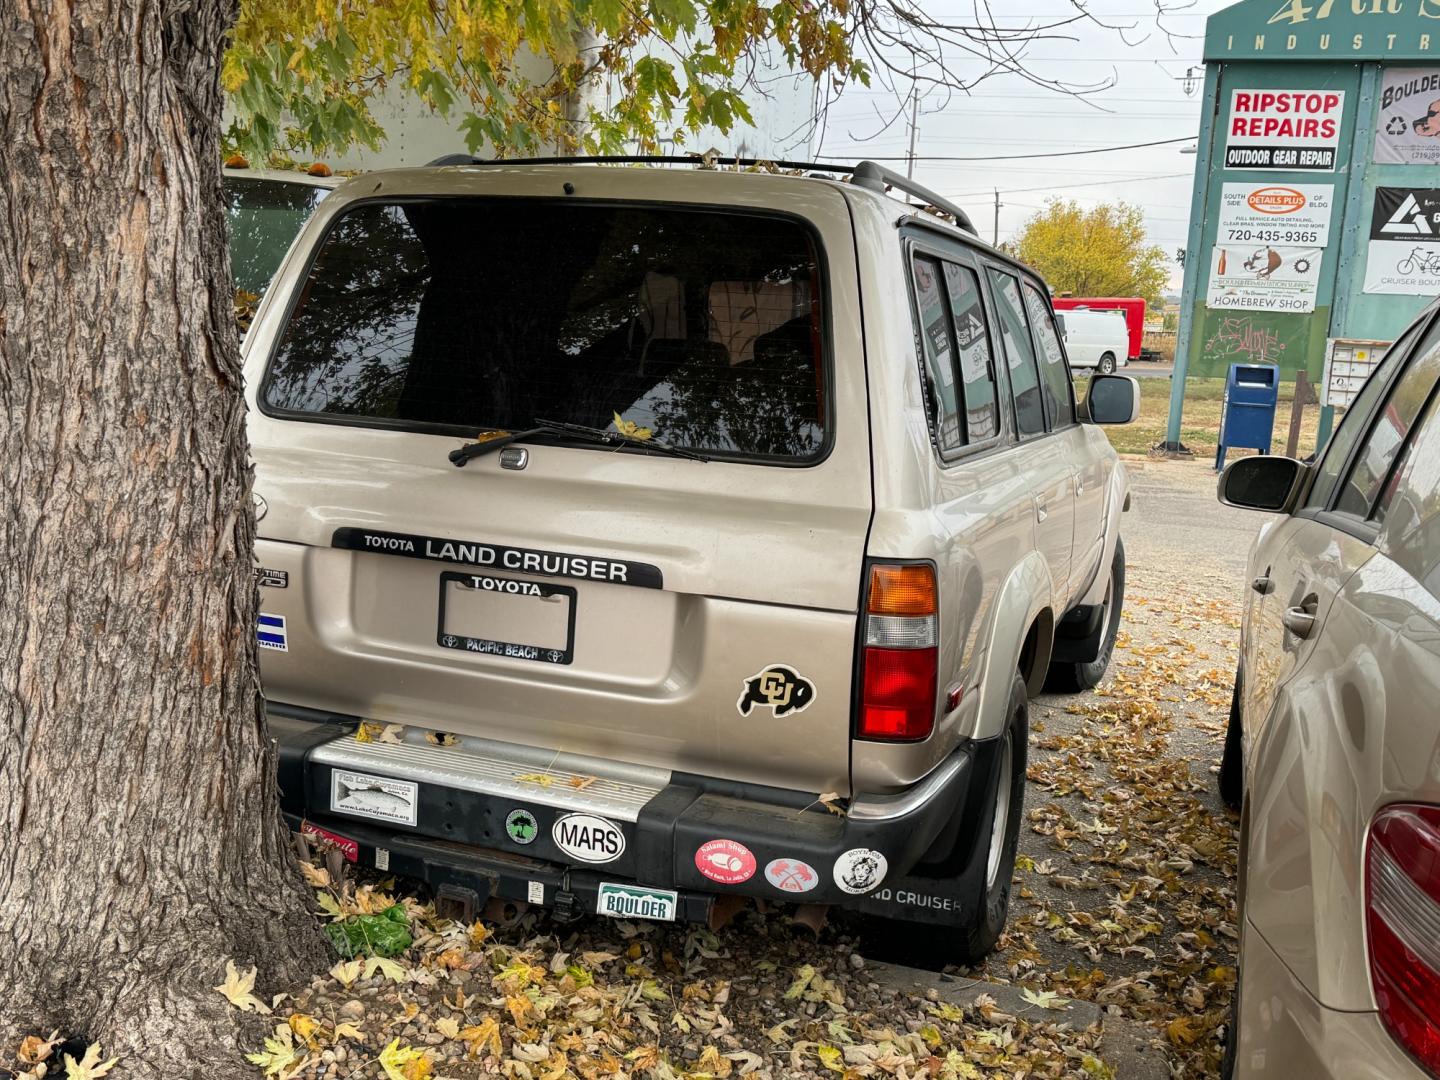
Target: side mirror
(1113, 399)
(1261, 483)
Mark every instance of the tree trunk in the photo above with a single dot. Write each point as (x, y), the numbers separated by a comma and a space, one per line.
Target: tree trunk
(140, 840)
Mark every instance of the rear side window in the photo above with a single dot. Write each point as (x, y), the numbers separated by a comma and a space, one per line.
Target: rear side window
(936, 342)
(1055, 385)
(1019, 354)
(956, 347)
(474, 314)
(977, 372)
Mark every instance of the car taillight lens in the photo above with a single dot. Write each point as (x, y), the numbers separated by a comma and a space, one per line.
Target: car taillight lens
(1402, 893)
(898, 662)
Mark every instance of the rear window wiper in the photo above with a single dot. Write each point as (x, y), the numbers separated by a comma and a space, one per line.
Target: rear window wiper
(580, 432)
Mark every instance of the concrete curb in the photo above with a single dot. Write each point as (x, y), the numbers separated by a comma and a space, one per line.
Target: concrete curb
(1129, 1048)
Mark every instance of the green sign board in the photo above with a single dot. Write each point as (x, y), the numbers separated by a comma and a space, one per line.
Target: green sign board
(1335, 30)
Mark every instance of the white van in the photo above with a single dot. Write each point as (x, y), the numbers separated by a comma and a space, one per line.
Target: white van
(1095, 339)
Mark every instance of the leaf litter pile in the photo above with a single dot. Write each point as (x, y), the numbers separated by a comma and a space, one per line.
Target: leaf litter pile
(1124, 891)
(1124, 897)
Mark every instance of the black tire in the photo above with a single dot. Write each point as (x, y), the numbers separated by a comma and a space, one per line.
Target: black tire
(979, 871)
(1107, 364)
(1071, 677)
(1232, 765)
(1232, 1037)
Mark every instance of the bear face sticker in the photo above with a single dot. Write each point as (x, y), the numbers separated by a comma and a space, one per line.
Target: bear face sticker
(782, 689)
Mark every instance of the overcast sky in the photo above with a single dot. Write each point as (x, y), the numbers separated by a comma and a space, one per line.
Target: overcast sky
(1007, 115)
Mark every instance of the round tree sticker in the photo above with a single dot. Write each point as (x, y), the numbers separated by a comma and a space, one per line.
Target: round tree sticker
(521, 826)
(791, 875)
(725, 861)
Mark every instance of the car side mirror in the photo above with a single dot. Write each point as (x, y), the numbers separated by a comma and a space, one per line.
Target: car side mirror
(1113, 399)
(1261, 483)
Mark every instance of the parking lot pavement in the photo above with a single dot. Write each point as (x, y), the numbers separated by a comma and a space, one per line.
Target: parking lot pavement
(1126, 877)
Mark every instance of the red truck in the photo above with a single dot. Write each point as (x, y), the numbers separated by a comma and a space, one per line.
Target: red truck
(1132, 306)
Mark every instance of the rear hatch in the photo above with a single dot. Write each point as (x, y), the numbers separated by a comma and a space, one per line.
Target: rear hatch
(619, 603)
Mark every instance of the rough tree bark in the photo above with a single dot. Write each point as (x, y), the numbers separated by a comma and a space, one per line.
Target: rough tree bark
(140, 841)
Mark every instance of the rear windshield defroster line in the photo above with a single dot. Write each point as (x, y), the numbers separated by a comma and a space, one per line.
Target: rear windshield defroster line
(463, 315)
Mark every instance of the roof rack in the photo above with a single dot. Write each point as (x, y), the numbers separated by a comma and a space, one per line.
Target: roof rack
(866, 174)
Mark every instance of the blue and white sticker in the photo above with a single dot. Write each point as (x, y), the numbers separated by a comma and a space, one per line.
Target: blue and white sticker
(270, 632)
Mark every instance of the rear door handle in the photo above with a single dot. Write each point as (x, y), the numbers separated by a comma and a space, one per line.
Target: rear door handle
(1300, 621)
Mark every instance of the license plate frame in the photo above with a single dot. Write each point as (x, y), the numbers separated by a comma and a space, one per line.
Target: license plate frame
(512, 650)
(614, 888)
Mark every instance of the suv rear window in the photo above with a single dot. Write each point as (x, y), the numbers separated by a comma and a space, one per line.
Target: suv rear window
(486, 313)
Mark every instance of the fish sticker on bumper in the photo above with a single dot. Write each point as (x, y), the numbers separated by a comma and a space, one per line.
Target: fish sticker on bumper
(781, 689)
(375, 797)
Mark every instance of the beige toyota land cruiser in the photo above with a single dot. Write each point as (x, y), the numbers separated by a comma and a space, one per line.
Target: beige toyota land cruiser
(649, 541)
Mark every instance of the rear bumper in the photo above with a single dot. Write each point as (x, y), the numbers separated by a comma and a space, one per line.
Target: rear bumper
(460, 838)
(1285, 1032)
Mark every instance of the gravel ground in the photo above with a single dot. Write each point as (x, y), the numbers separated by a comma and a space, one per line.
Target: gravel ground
(1123, 897)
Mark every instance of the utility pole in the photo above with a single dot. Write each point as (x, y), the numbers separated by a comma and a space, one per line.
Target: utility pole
(914, 126)
(995, 237)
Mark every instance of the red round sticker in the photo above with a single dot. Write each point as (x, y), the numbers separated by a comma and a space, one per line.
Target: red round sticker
(725, 861)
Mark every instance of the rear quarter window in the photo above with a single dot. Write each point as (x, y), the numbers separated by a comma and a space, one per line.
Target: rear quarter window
(468, 315)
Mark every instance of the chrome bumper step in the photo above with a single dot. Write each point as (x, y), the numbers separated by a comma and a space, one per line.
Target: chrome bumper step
(570, 782)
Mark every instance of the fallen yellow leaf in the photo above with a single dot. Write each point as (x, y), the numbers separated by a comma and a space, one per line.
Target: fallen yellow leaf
(239, 989)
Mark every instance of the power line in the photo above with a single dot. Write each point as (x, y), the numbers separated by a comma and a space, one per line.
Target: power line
(1022, 157)
(1067, 187)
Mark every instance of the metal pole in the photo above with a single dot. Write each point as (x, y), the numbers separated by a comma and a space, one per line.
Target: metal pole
(1197, 261)
(914, 126)
(995, 236)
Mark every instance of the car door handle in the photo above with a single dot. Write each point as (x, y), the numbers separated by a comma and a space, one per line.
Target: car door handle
(1300, 621)
(1262, 585)
(1040, 512)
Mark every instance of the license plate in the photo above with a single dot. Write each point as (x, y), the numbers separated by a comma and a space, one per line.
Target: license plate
(633, 902)
(495, 616)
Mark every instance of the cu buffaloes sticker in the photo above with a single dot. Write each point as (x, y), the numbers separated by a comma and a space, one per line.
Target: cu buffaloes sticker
(779, 688)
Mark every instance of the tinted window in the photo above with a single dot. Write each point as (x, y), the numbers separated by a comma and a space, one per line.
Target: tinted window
(1352, 425)
(478, 314)
(1055, 382)
(936, 342)
(264, 217)
(1411, 533)
(1019, 354)
(977, 373)
(1365, 487)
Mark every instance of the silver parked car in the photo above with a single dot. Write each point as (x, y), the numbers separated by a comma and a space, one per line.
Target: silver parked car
(1333, 753)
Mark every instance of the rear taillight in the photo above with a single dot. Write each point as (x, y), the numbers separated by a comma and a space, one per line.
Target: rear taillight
(898, 662)
(1402, 893)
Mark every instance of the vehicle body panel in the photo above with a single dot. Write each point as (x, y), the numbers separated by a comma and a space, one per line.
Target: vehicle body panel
(1337, 725)
(671, 662)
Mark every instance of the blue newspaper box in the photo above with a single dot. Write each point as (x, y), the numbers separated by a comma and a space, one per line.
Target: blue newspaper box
(1248, 415)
